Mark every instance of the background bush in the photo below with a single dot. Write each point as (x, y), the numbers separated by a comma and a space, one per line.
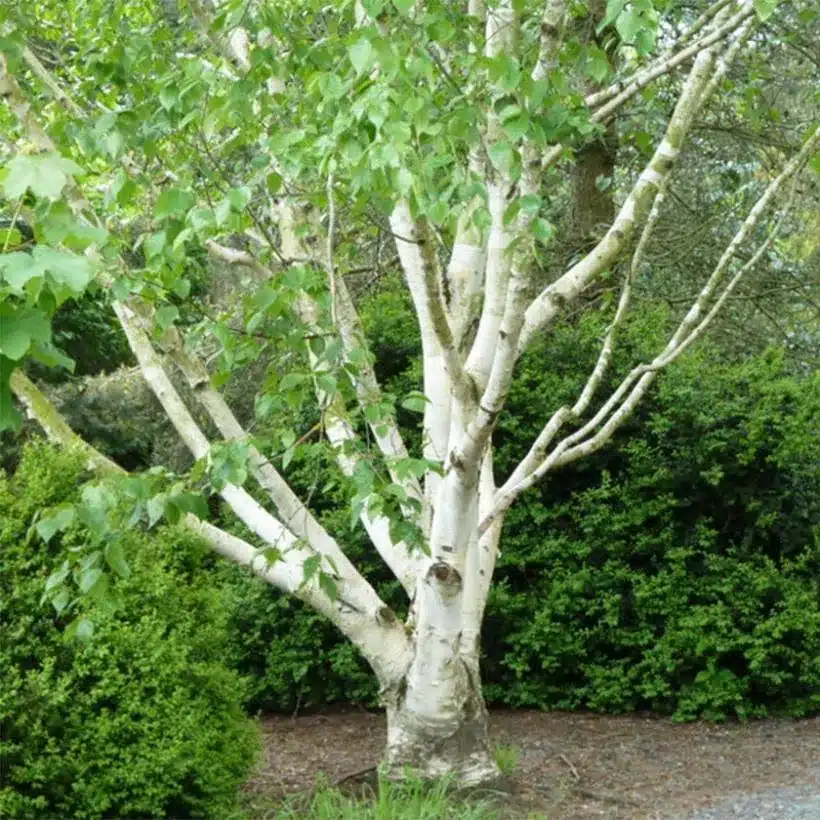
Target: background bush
(145, 720)
(675, 571)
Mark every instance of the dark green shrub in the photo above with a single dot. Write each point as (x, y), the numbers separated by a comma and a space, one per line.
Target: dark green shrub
(672, 571)
(143, 721)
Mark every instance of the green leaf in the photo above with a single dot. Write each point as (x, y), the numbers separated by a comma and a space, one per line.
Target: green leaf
(191, 503)
(156, 508)
(328, 585)
(61, 520)
(121, 190)
(155, 244)
(373, 7)
(222, 212)
(61, 600)
(97, 500)
(597, 64)
(201, 218)
(291, 380)
(70, 270)
(49, 355)
(415, 402)
(18, 269)
(404, 6)
(19, 328)
(311, 567)
(182, 288)
(326, 382)
(44, 174)
(115, 558)
(88, 578)
(57, 577)
(239, 197)
(61, 226)
(645, 41)
(10, 418)
(274, 182)
(628, 24)
(166, 316)
(173, 202)
(502, 155)
(530, 204)
(517, 127)
(168, 97)
(361, 55)
(543, 230)
(765, 8)
(271, 554)
(613, 9)
(331, 86)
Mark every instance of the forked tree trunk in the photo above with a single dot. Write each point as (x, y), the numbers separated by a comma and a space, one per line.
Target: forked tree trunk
(437, 727)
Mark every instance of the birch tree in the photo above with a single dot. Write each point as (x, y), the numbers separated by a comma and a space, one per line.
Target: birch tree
(298, 143)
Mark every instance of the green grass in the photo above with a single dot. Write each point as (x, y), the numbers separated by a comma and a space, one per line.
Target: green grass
(409, 800)
(506, 758)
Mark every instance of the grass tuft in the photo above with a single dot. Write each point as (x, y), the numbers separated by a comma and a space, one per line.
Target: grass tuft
(506, 758)
(412, 799)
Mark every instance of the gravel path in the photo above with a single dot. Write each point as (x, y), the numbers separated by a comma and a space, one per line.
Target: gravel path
(794, 803)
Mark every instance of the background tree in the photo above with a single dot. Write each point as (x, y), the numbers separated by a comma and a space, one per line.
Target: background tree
(298, 143)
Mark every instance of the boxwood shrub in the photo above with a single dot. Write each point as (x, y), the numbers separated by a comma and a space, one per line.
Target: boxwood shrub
(145, 720)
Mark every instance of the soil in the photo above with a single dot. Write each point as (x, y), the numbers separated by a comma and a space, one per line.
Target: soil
(572, 766)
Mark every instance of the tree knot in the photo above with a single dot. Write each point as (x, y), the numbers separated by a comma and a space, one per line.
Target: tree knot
(445, 574)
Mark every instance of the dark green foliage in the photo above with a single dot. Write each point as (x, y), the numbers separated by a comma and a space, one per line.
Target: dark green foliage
(678, 569)
(670, 571)
(88, 331)
(143, 721)
(675, 570)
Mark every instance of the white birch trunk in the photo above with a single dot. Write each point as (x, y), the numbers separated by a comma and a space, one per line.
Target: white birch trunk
(437, 726)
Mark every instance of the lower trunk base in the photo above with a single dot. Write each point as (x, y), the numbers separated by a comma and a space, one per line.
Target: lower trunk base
(456, 748)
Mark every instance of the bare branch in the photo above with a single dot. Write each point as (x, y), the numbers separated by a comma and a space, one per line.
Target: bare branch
(417, 256)
(606, 350)
(57, 91)
(552, 299)
(626, 397)
(57, 429)
(340, 432)
(701, 22)
(552, 35)
(607, 101)
(541, 445)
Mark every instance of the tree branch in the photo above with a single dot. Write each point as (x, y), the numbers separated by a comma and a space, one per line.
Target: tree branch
(626, 397)
(551, 300)
(368, 623)
(608, 100)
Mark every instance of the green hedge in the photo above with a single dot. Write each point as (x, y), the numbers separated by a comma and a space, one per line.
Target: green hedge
(674, 571)
(144, 721)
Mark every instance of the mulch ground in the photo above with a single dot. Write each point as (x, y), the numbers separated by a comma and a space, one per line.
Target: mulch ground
(571, 766)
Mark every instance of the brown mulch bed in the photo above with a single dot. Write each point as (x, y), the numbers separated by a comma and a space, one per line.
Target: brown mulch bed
(571, 766)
